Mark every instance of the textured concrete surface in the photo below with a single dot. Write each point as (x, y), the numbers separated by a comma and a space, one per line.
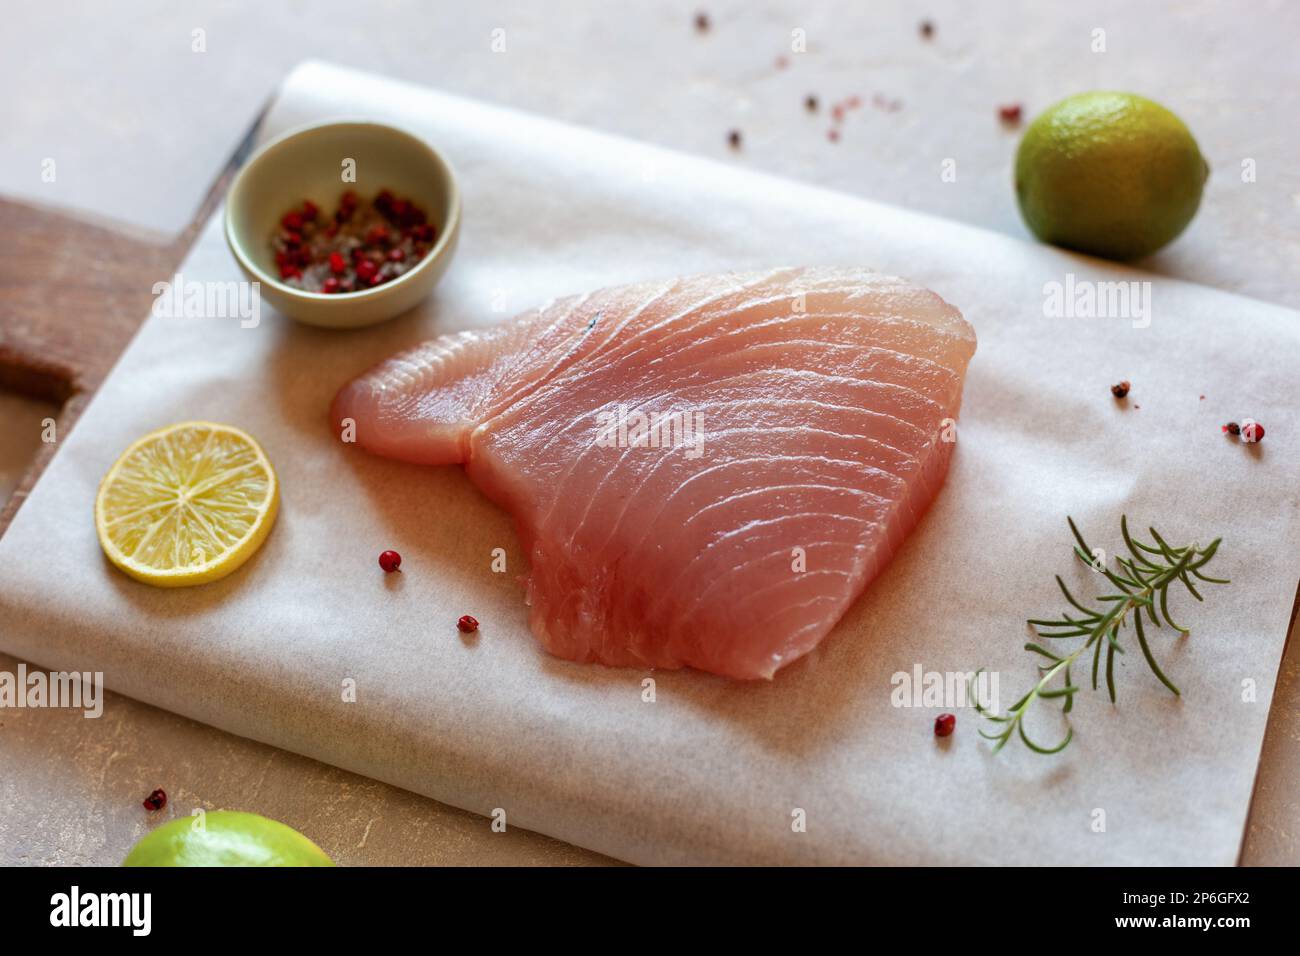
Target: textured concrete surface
(139, 125)
(71, 789)
(1273, 830)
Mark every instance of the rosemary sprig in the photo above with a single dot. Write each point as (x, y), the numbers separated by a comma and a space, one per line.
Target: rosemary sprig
(1140, 585)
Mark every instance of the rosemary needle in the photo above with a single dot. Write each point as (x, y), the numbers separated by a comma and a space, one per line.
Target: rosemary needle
(1141, 584)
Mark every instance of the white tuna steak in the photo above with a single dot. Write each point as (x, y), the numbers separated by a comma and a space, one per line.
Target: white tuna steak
(706, 472)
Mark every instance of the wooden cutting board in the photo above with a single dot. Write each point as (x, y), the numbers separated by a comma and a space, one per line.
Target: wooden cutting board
(73, 294)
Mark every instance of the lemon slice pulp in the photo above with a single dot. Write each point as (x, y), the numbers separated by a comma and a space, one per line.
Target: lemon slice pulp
(187, 504)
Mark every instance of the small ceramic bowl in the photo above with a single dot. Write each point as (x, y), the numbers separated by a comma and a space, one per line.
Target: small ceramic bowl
(308, 163)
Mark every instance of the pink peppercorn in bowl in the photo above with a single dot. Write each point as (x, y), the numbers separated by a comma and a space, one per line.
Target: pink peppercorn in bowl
(336, 252)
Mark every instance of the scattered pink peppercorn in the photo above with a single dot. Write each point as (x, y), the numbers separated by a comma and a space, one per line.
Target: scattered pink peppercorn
(467, 624)
(1120, 389)
(156, 800)
(927, 29)
(702, 22)
(833, 135)
(1010, 114)
(1232, 428)
(733, 139)
(944, 725)
(810, 103)
(1251, 430)
(390, 561)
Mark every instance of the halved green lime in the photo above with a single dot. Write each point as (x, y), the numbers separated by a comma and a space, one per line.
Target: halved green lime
(226, 838)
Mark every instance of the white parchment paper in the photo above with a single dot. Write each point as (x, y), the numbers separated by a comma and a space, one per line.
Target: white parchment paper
(710, 771)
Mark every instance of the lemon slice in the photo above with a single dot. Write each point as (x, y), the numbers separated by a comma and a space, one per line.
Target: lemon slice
(187, 504)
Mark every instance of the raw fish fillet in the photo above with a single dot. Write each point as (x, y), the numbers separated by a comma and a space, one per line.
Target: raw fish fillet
(823, 403)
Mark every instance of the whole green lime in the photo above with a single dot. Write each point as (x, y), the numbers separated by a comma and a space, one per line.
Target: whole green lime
(1111, 174)
(226, 838)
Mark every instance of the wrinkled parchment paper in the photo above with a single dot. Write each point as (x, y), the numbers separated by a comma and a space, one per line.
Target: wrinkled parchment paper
(707, 770)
